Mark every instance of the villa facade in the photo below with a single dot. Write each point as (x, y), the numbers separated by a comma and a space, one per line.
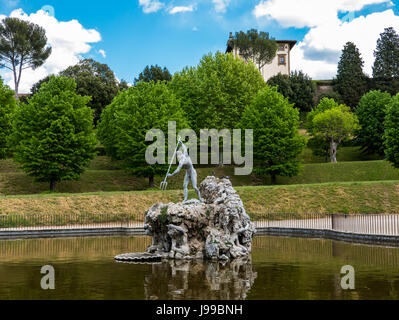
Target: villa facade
(281, 62)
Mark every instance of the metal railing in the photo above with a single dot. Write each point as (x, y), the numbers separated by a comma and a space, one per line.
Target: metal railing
(35, 222)
(373, 224)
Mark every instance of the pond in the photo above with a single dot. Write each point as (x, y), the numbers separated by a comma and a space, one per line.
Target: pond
(281, 268)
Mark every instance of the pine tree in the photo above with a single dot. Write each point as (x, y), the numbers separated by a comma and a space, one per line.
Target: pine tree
(386, 64)
(351, 82)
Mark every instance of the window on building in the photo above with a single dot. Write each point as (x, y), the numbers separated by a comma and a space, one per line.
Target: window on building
(281, 47)
(281, 59)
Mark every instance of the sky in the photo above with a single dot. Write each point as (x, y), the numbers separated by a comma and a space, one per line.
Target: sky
(131, 34)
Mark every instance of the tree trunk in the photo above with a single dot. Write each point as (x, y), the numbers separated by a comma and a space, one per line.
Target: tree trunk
(151, 181)
(274, 179)
(52, 185)
(333, 151)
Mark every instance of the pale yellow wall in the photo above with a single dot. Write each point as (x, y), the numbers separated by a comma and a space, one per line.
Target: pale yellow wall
(274, 68)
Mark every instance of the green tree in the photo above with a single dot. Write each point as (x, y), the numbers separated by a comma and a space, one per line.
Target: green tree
(96, 80)
(7, 109)
(35, 88)
(53, 134)
(330, 95)
(283, 84)
(255, 46)
(351, 82)
(303, 91)
(126, 121)
(371, 113)
(334, 125)
(277, 143)
(154, 73)
(297, 87)
(386, 64)
(391, 141)
(216, 92)
(320, 145)
(23, 45)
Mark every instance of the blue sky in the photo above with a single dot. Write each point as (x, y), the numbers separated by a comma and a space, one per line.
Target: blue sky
(128, 35)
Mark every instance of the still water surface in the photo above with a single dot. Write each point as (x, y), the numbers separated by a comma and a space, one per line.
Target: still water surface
(281, 268)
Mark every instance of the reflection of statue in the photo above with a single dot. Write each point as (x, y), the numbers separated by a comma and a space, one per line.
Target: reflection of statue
(186, 163)
(179, 279)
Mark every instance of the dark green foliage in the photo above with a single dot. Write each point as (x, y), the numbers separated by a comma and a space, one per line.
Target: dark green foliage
(331, 95)
(96, 80)
(391, 136)
(123, 85)
(255, 46)
(351, 82)
(216, 92)
(303, 91)
(35, 88)
(154, 73)
(283, 84)
(298, 88)
(7, 109)
(126, 121)
(53, 134)
(386, 64)
(277, 144)
(22, 45)
(371, 113)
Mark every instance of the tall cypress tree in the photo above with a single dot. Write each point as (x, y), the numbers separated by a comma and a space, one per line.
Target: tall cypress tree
(351, 82)
(386, 64)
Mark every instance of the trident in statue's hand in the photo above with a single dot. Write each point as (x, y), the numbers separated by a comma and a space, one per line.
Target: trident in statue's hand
(164, 184)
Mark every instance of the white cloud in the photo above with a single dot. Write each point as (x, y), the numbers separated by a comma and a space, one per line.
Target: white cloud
(179, 9)
(308, 13)
(103, 53)
(150, 6)
(319, 52)
(221, 5)
(68, 39)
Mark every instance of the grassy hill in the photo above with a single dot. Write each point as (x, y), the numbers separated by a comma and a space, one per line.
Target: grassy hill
(366, 197)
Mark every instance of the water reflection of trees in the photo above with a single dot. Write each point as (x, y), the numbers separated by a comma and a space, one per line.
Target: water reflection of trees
(200, 280)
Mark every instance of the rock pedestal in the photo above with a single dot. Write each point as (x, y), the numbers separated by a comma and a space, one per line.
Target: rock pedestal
(218, 229)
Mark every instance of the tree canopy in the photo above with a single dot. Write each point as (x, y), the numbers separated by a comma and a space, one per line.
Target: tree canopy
(297, 87)
(126, 121)
(391, 135)
(256, 46)
(351, 82)
(23, 45)
(332, 123)
(215, 93)
(371, 113)
(386, 64)
(96, 80)
(7, 108)
(53, 137)
(154, 73)
(277, 143)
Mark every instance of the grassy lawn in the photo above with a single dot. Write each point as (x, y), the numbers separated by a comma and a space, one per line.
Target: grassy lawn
(366, 197)
(16, 182)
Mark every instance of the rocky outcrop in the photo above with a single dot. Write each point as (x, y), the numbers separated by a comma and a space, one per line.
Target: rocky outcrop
(218, 229)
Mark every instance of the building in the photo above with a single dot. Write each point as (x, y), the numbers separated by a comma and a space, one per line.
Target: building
(280, 64)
